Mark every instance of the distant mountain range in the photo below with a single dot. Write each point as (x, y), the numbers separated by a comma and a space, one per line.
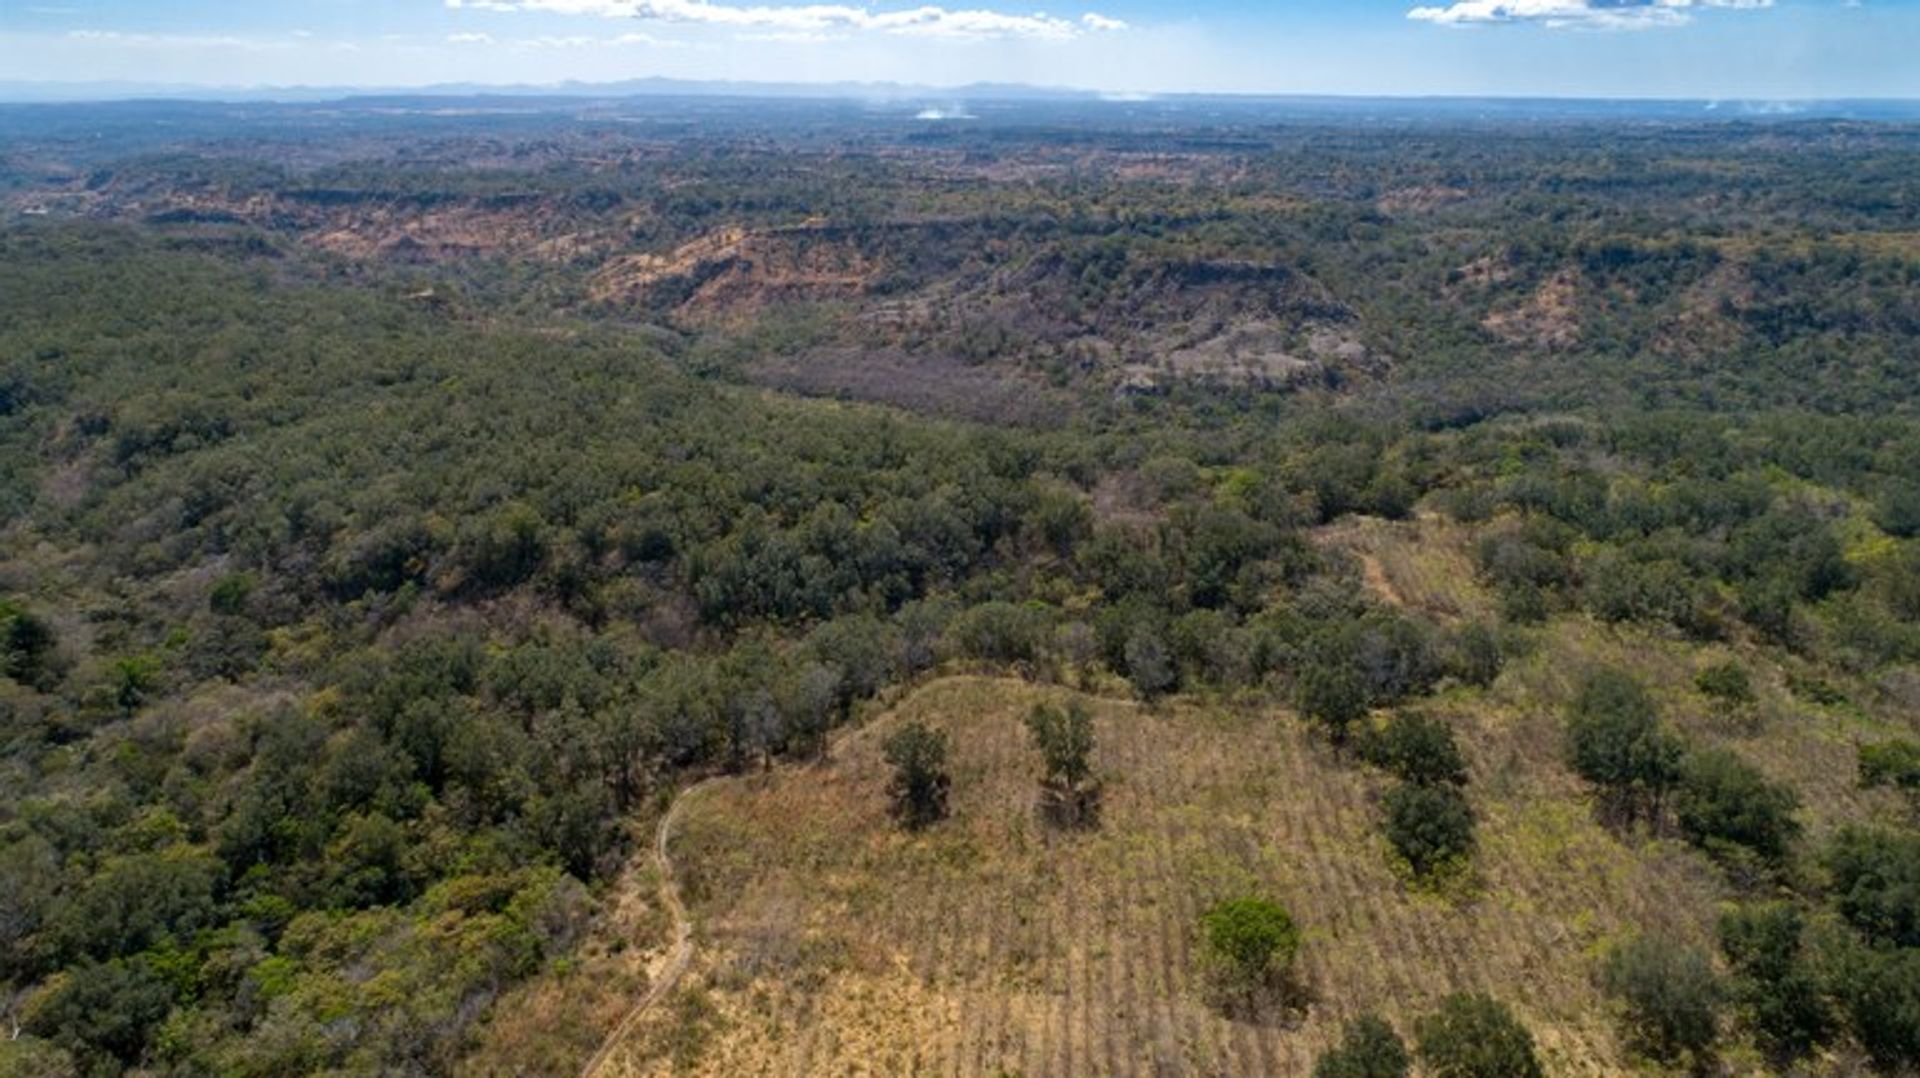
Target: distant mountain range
(17, 92)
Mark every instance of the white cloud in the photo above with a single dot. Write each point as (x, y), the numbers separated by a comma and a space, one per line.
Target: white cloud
(469, 39)
(1588, 14)
(926, 21)
(167, 41)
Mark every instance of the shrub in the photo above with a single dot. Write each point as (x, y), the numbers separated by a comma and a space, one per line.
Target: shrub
(1614, 741)
(1418, 749)
(1772, 983)
(1249, 942)
(1476, 1036)
(1477, 656)
(104, 1011)
(1726, 682)
(1669, 995)
(1368, 1048)
(1723, 800)
(1876, 883)
(1879, 993)
(1430, 826)
(1891, 763)
(920, 783)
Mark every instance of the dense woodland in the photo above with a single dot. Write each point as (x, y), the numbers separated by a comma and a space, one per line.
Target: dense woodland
(391, 516)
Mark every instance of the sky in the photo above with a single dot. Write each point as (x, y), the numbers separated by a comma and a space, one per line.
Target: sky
(1762, 50)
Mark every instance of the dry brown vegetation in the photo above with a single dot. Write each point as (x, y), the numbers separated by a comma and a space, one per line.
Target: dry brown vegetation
(833, 943)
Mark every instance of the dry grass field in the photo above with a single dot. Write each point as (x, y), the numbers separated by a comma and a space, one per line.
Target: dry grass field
(833, 943)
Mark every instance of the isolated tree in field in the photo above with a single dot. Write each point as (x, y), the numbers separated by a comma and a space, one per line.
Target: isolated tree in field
(1333, 695)
(1064, 737)
(920, 783)
(1669, 997)
(1725, 802)
(1430, 826)
(1368, 1048)
(1476, 1036)
(1248, 944)
(1614, 741)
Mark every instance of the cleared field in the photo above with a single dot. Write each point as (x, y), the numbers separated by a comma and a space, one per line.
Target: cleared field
(831, 942)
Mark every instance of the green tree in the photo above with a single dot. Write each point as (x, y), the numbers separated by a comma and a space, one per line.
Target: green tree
(1150, 663)
(1430, 826)
(1065, 739)
(1724, 801)
(1368, 1048)
(1875, 876)
(1417, 748)
(1248, 943)
(1614, 741)
(1773, 984)
(105, 1011)
(1476, 1036)
(1332, 694)
(921, 782)
(1668, 994)
(1879, 993)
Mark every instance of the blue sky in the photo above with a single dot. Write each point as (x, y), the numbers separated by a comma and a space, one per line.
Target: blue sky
(1750, 49)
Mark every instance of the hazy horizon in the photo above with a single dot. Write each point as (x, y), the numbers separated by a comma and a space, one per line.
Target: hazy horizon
(1785, 50)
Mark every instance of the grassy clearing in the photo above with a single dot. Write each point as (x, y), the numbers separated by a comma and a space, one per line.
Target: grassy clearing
(833, 943)
(1425, 565)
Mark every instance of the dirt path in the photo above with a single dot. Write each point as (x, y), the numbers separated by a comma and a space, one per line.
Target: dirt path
(679, 955)
(1376, 577)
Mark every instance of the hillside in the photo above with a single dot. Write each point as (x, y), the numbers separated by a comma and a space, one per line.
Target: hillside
(1486, 557)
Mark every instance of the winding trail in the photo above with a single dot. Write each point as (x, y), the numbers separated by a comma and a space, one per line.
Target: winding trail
(679, 956)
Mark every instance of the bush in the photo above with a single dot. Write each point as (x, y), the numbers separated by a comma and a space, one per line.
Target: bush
(1430, 826)
(920, 783)
(108, 1010)
(1368, 1048)
(1726, 682)
(1477, 657)
(1615, 742)
(1723, 801)
(1879, 992)
(1418, 749)
(1669, 995)
(26, 646)
(1476, 1036)
(1249, 942)
(1876, 883)
(1774, 986)
(1891, 763)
